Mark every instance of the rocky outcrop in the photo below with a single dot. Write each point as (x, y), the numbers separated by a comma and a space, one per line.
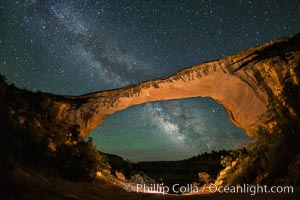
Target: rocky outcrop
(244, 83)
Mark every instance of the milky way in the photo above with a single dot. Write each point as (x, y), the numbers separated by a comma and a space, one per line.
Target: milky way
(76, 47)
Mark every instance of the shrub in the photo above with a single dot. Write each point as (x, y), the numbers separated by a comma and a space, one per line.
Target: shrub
(137, 178)
(79, 161)
(204, 177)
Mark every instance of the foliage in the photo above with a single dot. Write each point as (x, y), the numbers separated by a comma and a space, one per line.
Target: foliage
(204, 177)
(79, 161)
(137, 178)
(3, 79)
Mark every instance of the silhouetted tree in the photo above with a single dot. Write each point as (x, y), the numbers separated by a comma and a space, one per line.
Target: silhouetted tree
(79, 161)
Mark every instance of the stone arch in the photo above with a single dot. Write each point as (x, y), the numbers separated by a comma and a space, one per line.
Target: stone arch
(243, 83)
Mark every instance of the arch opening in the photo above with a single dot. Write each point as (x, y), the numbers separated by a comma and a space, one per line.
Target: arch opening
(169, 130)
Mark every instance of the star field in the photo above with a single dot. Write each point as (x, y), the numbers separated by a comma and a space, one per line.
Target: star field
(76, 47)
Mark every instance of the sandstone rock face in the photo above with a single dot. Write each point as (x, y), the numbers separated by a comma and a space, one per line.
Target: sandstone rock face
(244, 83)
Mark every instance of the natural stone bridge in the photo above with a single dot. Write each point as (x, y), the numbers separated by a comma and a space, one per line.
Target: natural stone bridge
(243, 83)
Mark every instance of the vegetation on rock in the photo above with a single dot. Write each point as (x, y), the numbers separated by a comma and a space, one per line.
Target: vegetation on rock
(268, 160)
(36, 140)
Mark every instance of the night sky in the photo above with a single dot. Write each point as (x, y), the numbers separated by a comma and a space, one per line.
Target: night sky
(76, 47)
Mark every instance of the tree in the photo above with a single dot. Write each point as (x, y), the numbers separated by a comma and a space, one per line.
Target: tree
(80, 161)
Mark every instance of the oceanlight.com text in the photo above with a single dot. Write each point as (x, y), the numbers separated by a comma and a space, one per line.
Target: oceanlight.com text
(250, 189)
(210, 188)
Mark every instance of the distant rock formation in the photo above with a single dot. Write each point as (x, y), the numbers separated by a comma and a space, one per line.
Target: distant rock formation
(244, 83)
